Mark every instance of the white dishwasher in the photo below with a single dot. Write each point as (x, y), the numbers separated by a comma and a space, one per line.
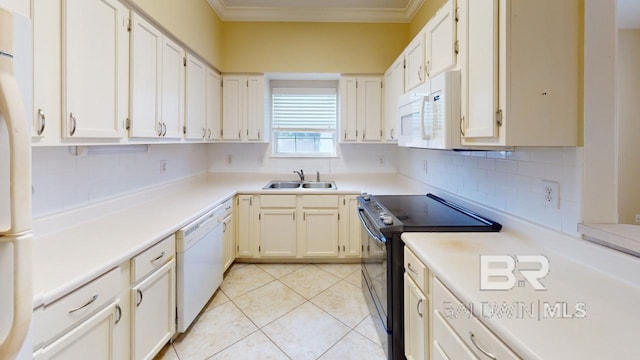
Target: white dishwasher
(199, 264)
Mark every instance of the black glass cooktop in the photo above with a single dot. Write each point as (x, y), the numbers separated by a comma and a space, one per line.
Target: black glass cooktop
(428, 213)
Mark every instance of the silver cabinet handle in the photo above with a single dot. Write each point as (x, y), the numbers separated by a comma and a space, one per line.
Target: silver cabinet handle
(239, 134)
(157, 258)
(204, 133)
(224, 227)
(140, 296)
(159, 128)
(426, 69)
(418, 307)
(164, 129)
(208, 133)
(411, 269)
(258, 133)
(420, 73)
(119, 311)
(391, 134)
(485, 352)
(89, 302)
(73, 124)
(41, 121)
(345, 134)
(363, 134)
(462, 125)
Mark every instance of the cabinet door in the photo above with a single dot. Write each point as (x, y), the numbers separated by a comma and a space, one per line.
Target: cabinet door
(47, 67)
(414, 57)
(229, 241)
(480, 68)
(320, 233)
(245, 226)
(255, 108)
(393, 87)
(278, 233)
(348, 108)
(195, 99)
(92, 339)
(369, 108)
(416, 322)
(153, 312)
(213, 105)
(350, 228)
(146, 64)
(440, 49)
(232, 107)
(96, 68)
(173, 93)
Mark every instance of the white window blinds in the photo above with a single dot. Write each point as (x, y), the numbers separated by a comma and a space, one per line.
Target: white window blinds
(310, 109)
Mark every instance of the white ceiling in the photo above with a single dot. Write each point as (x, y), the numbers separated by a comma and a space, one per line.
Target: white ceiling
(317, 10)
(628, 14)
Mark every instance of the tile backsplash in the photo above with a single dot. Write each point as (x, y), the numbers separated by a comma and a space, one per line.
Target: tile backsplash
(62, 181)
(351, 158)
(511, 182)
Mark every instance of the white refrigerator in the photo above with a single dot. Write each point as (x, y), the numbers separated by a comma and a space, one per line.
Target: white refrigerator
(16, 287)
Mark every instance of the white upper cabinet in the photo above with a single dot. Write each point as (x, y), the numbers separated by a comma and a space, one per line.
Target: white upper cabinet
(414, 74)
(520, 79)
(361, 108)
(195, 99)
(440, 42)
(96, 68)
(213, 105)
(172, 89)
(146, 52)
(393, 87)
(243, 108)
(47, 67)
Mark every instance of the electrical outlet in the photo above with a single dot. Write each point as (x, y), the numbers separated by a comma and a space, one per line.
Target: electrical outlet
(637, 218)
(380, 160)
(551, 193)
(163, 166)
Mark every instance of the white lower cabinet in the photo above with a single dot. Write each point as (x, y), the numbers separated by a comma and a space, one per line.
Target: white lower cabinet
(416, 321)
(350, 227)
(92, 339)
(229, 241)
(277, 232)
(320, 233)
(245, 232)
(153, 312)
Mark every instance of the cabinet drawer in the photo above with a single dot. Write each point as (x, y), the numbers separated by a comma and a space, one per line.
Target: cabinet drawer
(278, 201)
(416, 270)
(153, 258)
(226, 208)
(320, 201)
(70, 310)
(446, 343)
(472, 332)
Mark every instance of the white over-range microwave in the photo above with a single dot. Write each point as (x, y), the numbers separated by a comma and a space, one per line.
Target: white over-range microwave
(430, 113)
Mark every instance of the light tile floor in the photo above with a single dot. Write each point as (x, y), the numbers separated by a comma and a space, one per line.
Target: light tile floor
(283, 311)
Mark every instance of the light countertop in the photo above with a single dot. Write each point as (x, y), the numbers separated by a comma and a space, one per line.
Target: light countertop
(72, 248)
(612, 323)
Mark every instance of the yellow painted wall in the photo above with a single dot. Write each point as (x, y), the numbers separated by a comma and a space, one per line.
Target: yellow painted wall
(192, 21)
(426, 12)
(311, 47)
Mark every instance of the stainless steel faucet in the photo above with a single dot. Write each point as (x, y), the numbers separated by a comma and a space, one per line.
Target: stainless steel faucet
(300, 173)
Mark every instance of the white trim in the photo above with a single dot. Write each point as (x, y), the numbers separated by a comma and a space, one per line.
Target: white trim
(238, 13)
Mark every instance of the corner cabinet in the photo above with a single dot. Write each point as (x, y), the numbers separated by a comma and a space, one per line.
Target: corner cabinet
(243, 117)
(213, 105)
(520, 79)
(95, 68)
(195, 108)
(228, 236)
(361, 108)
(393, 88)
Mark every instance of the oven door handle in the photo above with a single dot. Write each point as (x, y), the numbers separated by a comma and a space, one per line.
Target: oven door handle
(380, 238)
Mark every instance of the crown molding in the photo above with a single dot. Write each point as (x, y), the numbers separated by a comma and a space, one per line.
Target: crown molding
(290, 14)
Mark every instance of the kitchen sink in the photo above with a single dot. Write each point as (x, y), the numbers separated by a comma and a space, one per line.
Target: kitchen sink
(283, 185)
(317, 185)
(329, 185)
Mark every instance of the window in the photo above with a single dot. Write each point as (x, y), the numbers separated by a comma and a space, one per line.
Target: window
(304, 121)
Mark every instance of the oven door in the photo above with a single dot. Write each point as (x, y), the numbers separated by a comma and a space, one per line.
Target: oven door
(374, 274)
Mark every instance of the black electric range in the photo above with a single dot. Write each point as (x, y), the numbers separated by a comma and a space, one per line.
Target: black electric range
(384, 218)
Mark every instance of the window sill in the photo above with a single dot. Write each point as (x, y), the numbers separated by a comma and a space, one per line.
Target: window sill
(302, 156)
